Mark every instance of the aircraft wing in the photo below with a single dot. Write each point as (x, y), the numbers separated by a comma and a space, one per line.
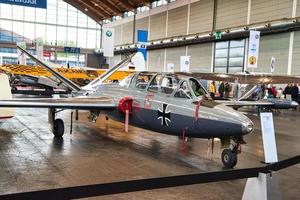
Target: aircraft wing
(64, 80)
(245, 103)
(245, 78)
(83, 103)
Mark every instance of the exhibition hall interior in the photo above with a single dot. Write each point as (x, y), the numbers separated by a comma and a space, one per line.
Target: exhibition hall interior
(150, 99)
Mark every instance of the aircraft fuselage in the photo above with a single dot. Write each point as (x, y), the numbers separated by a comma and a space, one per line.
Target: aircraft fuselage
(173, 116)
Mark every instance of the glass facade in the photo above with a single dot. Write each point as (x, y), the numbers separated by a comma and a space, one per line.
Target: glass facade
(229, 56)
(60, 24)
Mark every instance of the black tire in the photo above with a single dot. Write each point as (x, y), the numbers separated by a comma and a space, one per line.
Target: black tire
(229, 158)
(59, 128)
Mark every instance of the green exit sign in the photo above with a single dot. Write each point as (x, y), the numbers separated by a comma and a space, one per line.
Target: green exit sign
(218, 35)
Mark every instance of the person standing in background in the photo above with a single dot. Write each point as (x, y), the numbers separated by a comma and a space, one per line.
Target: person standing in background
(212, 89)
(236, 89)
(295, 92)
(287, 90)
(279, 93)
(221, 89)
(227, 89)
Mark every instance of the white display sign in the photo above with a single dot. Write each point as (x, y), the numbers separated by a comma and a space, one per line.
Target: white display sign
(268, 135)
(170, 67)
(184, 63)
(108, 36)
(272, 64)
(253, 49)
(39, 48)
(21, 55)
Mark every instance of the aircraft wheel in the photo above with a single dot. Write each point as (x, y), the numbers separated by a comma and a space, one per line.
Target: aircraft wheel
(59, 128)
(229, 158)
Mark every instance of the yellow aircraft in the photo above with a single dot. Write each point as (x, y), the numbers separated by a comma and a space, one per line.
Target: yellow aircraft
(70, 73)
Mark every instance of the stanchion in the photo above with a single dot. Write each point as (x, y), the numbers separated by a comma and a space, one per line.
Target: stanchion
(264, 187)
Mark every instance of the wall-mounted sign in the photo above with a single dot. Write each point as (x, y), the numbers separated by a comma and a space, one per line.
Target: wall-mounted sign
(28, 3)
(272, 64)
(184, 63)
(253, 49)
(108, 39)
(47, 54)
(170, 67)
(71, 50)
(218, 35)
(142, 42)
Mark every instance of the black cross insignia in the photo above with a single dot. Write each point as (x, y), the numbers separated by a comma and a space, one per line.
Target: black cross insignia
(164, 115)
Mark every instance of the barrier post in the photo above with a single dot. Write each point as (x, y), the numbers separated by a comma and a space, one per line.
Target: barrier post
(264, 187)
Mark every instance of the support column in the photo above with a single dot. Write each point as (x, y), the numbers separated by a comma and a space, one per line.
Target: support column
(290, 56)
(133, 26)
(249, 12)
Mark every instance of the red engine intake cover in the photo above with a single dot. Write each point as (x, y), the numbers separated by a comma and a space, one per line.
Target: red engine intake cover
(125, 104)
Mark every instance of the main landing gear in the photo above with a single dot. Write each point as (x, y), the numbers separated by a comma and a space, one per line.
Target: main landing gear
(229, 155)
(58, 127)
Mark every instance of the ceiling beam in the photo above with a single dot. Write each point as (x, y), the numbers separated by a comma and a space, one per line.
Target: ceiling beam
(92, 8)
(111, 6)
(128, 5)
(101, 9)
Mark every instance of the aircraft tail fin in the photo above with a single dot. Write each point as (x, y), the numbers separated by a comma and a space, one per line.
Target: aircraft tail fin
(131, 60)
(57, 75)
(138, 62)
(5, 93)
(248, 91)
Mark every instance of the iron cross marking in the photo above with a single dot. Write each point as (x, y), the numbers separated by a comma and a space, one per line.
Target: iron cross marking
(164, 116)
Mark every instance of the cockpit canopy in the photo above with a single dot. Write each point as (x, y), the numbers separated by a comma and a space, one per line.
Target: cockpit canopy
(165, 84)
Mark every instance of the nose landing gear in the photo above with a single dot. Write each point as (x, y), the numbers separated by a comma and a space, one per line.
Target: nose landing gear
(229, 158)
(229, 155)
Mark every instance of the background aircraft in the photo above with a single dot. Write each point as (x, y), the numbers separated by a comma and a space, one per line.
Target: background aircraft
(251, 82)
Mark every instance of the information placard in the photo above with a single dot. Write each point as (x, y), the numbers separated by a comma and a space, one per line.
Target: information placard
(268, 135)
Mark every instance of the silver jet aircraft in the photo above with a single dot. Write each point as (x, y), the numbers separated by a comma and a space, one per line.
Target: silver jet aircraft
(174, 104)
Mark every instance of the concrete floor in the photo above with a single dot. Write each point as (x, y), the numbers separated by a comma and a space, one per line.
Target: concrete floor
(31, 159)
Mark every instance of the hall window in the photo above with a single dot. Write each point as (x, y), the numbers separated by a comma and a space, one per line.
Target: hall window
(229, 56)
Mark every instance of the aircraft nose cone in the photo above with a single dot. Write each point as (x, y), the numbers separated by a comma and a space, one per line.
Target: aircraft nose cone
(295, 104)
(247, 127)
(231, 116)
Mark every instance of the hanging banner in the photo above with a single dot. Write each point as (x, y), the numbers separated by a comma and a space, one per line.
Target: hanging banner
(253, 49)
(184, 63)
(170, 67)
(39, 45)
(272, 65)
(108, 42)
(21, 55)
(28, 3)
(142, 42)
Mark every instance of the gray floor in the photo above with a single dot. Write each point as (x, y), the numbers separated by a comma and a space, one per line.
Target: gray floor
(31, 159)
